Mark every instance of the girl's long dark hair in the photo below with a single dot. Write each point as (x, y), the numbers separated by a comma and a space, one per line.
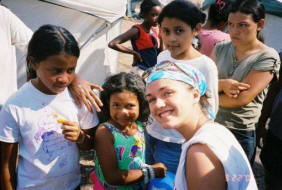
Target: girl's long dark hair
(49, 40)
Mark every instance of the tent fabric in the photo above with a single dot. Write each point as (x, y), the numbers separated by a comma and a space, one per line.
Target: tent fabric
(271, 31)
(273, 7)
(93, 33)
(108, 10)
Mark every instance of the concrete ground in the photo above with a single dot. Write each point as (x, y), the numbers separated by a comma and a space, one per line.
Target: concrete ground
(124, 64)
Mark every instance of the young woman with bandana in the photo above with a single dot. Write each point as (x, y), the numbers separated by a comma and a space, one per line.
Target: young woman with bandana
(211, 156)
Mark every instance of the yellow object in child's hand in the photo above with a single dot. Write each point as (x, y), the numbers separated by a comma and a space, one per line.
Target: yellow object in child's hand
(61, 120)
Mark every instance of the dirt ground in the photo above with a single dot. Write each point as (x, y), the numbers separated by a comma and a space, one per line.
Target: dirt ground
(124, 64)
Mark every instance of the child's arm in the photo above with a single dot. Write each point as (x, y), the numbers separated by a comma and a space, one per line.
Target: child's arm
(130, 34)
(73, 132)
(9, 155)
(86, 139)
(82, 91)
(109, 164)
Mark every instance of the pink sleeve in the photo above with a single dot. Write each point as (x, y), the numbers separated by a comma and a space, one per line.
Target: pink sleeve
(210, 38)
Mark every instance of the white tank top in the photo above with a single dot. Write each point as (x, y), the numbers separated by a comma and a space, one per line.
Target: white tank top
(223, 144)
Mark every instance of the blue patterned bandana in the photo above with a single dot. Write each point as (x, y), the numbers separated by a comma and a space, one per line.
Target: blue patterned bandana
(181, 72)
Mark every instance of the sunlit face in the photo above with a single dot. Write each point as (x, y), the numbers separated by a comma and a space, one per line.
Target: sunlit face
(177, 36)
(124, 108)
(55, 73)
(242, 28)
(151, 17)
(171, 102)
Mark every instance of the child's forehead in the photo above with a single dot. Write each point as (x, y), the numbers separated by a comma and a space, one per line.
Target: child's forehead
(61, 60)
(123, 96)
(172, 22)
(156, 8)
(123, 93)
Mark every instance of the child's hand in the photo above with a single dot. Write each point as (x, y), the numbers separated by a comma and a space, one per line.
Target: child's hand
(71, 130)
(137, 56)
(83, 90)
(160, 170)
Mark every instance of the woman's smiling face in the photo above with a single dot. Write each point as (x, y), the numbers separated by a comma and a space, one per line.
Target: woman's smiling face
(171, 102)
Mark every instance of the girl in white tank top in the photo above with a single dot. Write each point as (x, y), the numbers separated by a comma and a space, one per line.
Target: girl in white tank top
(211, 157)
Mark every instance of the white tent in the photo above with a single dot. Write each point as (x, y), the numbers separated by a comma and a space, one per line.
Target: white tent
(271, 31)
(93, 23)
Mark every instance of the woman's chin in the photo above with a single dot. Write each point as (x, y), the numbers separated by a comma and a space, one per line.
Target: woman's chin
(168, 126)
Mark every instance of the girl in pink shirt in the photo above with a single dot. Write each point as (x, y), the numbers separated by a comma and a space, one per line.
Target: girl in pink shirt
(212, 32)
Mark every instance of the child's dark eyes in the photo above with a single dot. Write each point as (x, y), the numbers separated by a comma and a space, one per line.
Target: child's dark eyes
(70, 70)
(154, 14)
(57, 71)
(165, 31)
(178, 31)
(130, 106)
(115, 105)
(118, 106)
